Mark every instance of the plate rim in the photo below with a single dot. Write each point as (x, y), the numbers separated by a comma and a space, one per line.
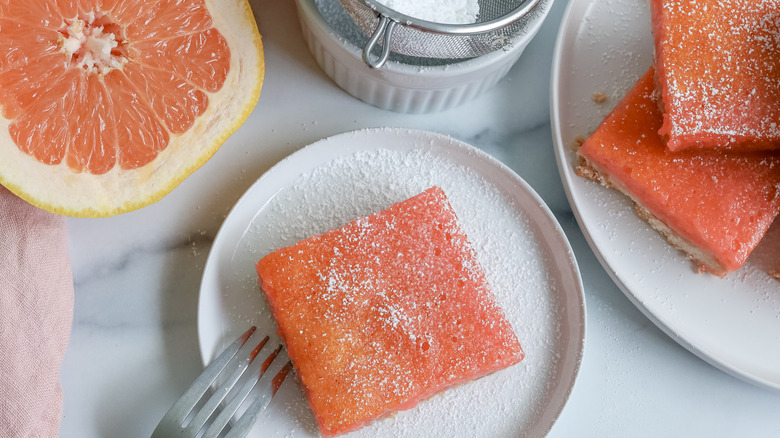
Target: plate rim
(576, 333)
(567, 28)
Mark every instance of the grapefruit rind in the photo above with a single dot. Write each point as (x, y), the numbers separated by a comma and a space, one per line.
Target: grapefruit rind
(59, 190)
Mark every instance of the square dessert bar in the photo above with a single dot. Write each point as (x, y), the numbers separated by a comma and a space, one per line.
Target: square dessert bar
(385, 312)
(714, 205)
(718, 70)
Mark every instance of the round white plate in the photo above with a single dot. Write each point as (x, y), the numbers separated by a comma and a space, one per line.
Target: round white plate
(525, 255)
(604, 46)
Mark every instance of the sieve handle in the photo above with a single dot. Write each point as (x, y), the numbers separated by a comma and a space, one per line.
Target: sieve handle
(385, 27)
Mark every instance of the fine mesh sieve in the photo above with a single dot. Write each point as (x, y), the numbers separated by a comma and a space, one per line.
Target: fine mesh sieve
(499, 21)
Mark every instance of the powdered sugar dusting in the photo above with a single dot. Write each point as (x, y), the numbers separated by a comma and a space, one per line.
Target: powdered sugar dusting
(516, 265)
(720, 72)
(608, 46)
(370, 311)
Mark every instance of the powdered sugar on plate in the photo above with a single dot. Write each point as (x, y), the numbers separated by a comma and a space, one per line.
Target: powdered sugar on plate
(513, 245)
(608, 45)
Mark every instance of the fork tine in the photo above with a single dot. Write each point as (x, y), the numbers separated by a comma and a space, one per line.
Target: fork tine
(268, 390)
(213, 402)
(184, 405)
(250, 414)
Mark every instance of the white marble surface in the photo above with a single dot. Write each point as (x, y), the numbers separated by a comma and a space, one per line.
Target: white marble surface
(134, 342)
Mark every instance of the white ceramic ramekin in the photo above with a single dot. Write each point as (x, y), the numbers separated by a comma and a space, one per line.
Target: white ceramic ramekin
(406, 85)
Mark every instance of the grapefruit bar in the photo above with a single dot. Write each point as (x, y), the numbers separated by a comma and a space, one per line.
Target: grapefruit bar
(385, 312)
(713, 205)
(718, 70)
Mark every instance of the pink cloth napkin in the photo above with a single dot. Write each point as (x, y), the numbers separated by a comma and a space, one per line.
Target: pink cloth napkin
(36, 312)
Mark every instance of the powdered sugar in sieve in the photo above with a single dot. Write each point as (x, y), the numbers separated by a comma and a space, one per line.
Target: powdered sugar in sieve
(495, 26)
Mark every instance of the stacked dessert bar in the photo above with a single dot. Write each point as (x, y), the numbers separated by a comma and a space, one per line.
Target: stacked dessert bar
(696, 143)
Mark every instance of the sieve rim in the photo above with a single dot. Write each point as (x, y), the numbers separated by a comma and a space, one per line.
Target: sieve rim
(453, 29)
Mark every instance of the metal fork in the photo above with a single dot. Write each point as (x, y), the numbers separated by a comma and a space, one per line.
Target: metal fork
(173, 423)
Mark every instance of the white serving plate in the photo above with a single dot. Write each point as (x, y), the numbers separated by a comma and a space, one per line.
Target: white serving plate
(604, 46)
(524, 251)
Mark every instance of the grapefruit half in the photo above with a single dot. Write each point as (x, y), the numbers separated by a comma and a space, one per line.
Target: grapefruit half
(107, 105)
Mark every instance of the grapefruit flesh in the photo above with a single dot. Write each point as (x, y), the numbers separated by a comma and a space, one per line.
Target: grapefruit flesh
(107, 105)
(385, 312)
